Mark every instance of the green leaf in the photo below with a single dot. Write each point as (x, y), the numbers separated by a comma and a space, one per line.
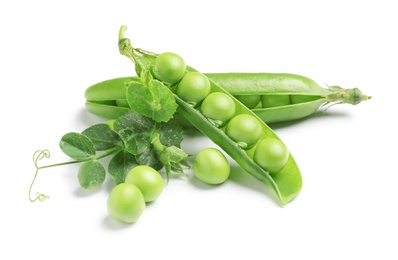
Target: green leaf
(91, 175)
(151, 158)
(135, 130)
(154, 100)
(171, 134)
(102, 136)
(171, 156)
(176, 167)
(120, 165)
(77, 146)
(146, 75)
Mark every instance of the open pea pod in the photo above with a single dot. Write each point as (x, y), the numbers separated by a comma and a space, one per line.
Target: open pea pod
(286, 181)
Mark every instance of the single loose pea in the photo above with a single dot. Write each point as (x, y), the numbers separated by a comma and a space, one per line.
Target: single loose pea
(126, 203)
(148, 180)
(218, 106)
(250, 101)
(193, 87)
(271, 154)
(211, 166)
(169, 67)
(245, 130)
(275, 100)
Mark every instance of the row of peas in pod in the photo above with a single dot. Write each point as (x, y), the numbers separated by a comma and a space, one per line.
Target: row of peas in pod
(269, 101)
(218, 107)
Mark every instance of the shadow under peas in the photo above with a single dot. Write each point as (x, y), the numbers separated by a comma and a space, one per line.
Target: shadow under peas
(90, 119)
(240, 177)
(320, 114)
(80, 192)
(202, 185)
(113, 224)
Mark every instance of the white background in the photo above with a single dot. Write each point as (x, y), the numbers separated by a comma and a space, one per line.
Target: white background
(51, 51)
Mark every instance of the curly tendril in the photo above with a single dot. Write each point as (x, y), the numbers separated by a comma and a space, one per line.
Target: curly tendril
(38, 155)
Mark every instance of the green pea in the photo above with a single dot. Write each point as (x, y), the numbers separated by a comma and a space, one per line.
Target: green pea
(244, 129)
(193, 87)
(148, 180)
(218, 106)
(126, 203)
(250, 101)
(271, 154)
(169, 67)
(122, 103)
(275, 100)
(211, 166)
(296, 99)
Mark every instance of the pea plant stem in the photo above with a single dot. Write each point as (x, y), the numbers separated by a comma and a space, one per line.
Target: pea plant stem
(156, 143)
(109, 152)
(40, 154)
(126, 48)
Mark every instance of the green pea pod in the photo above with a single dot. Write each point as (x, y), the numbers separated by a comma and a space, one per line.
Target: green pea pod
(113, 89)
(286, 181)
(304, 94)
(108, 98)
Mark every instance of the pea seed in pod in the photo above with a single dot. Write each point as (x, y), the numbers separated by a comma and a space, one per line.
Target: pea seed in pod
(169, 67)
(193, 87)
(275, 100)
(296, 99)
(148, 180)
(271, 154)
(218, 106)
(125, 203)
(250, 101)
(245, 130)
(211, 166)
